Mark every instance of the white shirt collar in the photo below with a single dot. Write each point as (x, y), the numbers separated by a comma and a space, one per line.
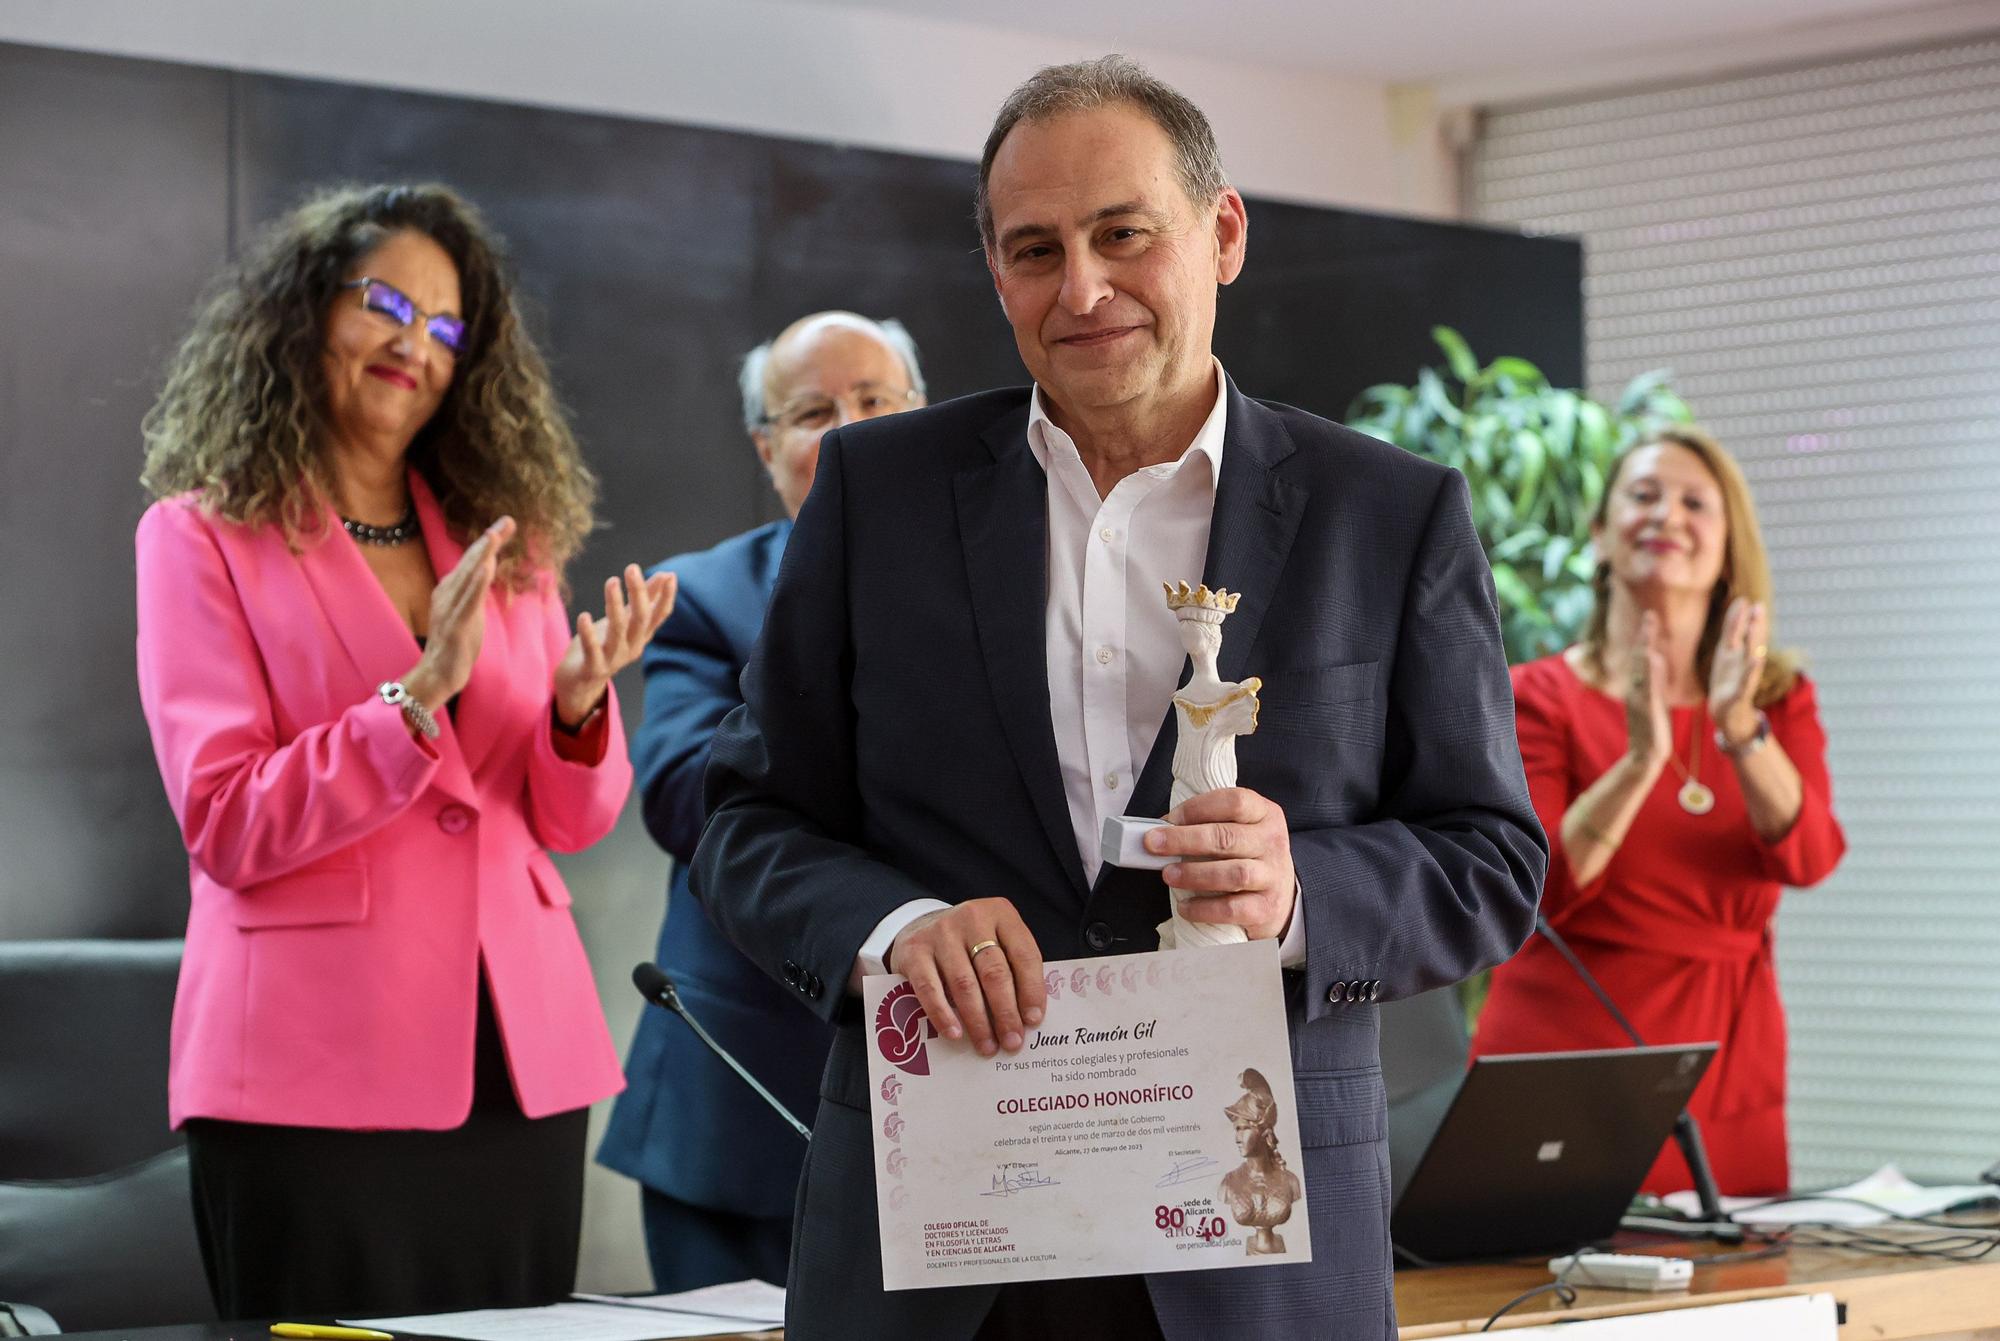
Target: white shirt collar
(1044, 437)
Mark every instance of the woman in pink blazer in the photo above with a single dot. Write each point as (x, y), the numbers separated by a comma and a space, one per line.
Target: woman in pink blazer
(374, 719)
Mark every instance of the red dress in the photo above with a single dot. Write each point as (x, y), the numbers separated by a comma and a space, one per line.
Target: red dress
(1677, 928)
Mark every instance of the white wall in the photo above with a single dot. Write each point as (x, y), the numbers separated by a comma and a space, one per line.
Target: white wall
(800, 70)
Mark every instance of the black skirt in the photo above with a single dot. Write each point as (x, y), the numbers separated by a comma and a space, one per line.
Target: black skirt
(313, 1222)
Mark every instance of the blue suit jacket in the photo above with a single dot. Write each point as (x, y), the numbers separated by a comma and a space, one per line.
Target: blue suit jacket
(685, 1125)
(896, 742)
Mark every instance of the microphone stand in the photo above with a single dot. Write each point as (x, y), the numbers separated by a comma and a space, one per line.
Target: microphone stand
(659, 990)
(1687, 1132)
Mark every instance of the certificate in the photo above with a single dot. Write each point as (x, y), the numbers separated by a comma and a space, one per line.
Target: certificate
(1148, 1125)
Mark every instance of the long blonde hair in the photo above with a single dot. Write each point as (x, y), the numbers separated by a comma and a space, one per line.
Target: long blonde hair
(241, 421)
(1746, 569)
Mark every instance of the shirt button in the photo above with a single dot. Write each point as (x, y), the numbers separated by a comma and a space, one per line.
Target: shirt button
(454, 819)
(1107, 535)
(1104, 655)
(1111, 781)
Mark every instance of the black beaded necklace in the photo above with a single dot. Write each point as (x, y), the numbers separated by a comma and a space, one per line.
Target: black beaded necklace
(404, 531)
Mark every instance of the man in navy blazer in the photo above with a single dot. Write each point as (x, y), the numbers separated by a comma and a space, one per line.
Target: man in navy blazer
(718, 1168)
(960, 678)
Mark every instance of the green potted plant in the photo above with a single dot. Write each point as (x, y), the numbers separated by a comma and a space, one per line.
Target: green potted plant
(1535, 457)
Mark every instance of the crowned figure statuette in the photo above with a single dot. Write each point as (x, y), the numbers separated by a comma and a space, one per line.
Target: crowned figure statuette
(1209, 714)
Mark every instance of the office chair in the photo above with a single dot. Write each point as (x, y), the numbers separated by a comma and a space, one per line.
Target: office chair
(96, 1225)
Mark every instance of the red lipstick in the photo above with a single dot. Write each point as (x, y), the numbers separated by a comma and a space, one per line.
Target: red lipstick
(393, 376)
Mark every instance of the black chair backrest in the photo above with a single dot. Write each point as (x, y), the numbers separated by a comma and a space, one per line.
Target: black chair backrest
(83, 1055)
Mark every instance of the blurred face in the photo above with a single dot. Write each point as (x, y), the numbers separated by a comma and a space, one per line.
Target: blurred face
(823, 375)
(1105, 268)
(1665, 525)
(384, 379)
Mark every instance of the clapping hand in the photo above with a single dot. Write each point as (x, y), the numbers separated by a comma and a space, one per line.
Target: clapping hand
(457, 623)
(1649, 726)
(1737, 668)
(633, 613)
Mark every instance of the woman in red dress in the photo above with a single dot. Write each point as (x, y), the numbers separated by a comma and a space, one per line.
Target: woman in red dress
(1680, 770)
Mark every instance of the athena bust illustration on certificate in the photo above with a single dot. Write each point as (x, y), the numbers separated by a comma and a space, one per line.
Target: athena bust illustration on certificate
(1260, 1191)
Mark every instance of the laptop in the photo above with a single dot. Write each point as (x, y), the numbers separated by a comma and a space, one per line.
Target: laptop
(1543, 1151)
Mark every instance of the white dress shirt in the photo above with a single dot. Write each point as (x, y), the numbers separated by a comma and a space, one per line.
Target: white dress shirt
(1114, 654)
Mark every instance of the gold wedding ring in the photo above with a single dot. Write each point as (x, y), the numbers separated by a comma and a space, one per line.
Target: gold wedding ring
(973, 953)
(1762, 650)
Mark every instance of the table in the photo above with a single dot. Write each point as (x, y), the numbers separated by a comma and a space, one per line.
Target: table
(261, 1331)
(1885, 1298)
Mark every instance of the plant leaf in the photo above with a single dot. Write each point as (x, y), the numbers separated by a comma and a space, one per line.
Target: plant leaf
(1640, 389)
(1384, 398)
(1530, 456)
(1524, 375)
(1554, 556)
(1558, 410)
(1535, 459)
(1457, 353)
(1593, 437)
(1525, 541)
(1431, 392)
(1513, 590)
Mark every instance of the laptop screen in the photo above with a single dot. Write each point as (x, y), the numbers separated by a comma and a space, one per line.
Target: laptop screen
(1544, 1150)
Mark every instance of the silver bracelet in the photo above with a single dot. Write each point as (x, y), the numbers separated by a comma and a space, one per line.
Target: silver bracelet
(1758, 740)
(420, 717)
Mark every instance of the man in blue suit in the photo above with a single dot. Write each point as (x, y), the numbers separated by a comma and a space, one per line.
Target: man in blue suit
(967, 667)
(718, 1168)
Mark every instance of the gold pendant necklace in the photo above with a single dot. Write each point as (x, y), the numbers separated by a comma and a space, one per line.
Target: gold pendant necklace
(1694, 797)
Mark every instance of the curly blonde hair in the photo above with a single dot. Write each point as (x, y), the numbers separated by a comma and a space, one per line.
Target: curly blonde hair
(1746, 570)
(241, 422)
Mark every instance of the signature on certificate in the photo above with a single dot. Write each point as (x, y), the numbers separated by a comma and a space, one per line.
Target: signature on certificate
(1015, 1176)
(1184, 1171)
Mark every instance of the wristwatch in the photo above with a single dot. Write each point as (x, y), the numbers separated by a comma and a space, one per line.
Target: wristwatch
(396, 696)
(1758, 740)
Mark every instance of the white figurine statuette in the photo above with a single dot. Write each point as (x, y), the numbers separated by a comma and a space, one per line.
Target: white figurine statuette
(1209, 714)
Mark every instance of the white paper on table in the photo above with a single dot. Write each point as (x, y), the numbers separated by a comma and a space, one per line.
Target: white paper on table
(1101, 1148)
(560, 1322)
(1886, 1191)
(743, 1300)
(1808, 1317)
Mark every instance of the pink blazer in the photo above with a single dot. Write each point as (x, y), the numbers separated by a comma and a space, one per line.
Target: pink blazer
(346, 879)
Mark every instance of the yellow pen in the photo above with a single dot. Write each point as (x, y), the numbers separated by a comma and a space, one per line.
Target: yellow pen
(309, 1331)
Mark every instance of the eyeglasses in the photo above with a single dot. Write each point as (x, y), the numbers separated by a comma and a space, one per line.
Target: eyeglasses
(818, 412)
(389, 301)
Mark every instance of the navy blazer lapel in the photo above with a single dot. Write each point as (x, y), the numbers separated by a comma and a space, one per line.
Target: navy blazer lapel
(1256, 518)
(1003, 523)
(1250, 533)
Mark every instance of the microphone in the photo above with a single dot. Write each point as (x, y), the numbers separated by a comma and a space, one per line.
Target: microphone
(1687, 1132)
(659, 989)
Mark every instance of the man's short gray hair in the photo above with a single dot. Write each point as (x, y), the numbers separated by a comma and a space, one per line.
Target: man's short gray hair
(1085, 86)
(891, 332)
